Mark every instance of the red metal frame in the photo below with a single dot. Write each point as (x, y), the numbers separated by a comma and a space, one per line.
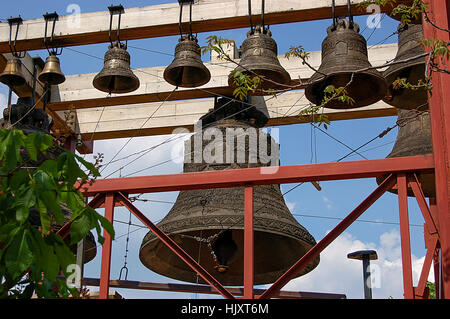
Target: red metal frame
(439, 13)
(400, 171)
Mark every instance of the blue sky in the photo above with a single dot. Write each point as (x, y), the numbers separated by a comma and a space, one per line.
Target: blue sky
(300, 144)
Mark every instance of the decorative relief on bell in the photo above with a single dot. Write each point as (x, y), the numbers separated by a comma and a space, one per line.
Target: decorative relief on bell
(208, 224)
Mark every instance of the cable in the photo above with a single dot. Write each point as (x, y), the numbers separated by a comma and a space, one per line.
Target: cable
(129, 140)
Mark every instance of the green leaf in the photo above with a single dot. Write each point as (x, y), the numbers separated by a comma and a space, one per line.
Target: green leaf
(19, 256)
(80, 228)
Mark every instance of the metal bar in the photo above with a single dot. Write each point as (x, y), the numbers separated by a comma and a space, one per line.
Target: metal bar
(248, 244)
(106, 249)
(175, 248)
(439, 13)
(366, 277)
(404, 235)
(206, 289)
(420, 290)
(420, 197)
(388, 183)
(255, 176)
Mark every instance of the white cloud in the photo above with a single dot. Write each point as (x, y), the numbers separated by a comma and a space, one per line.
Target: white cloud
(338, 274)
(291, 205)
(328, 202)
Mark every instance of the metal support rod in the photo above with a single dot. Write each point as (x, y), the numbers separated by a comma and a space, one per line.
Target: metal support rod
(421, 201)
(106, 249)
(439, 13)
(420, 290)
(175, 248)
(329, 238)
(404, 237)
(366, 277)
(248, 244)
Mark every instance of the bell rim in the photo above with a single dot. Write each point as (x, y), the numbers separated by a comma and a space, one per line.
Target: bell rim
(202, 68)
(99, 76)
(184, 275)
(317, 83)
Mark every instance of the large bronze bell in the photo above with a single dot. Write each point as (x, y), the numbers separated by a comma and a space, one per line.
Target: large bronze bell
(344, 51)
(414, 138)
(409, 45)
(187, 68)
(259, 58)
(116, 75)
(12, 74)
(51, 74)
(208, 224)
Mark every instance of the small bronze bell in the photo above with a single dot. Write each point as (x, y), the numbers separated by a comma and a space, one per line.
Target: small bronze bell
(116, 75)
(259, 58)
(187, 69)
(51, 74)
(208, 224)
(414, 138)
(344, 51)
(12, 74)
(409, 45)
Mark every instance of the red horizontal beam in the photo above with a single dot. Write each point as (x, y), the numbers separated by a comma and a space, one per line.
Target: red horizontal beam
(258, 176)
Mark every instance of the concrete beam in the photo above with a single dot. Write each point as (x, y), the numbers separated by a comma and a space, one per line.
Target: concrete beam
(142, 120)
(78, 92)
(162, 20)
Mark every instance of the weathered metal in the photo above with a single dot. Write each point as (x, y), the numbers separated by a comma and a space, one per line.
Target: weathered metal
(51, 74)
(409, 46)
(116, 75)
(414, 138)
(345, 64)
(259, 58)
(12, 74)
(209, 224)
(187, 68)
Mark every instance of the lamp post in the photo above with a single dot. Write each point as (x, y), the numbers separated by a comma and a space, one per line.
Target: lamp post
(366, 256)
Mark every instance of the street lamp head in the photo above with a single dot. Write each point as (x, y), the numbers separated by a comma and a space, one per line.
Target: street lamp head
(363, 254)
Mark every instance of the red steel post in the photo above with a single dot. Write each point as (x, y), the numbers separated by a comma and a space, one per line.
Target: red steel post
(106, 249)
(404, 236)
(388, 183)
(248, 243)
(439, 14)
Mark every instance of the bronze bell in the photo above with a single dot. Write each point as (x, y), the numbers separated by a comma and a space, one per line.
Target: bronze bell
(259, 58)
(116, 75)
(208, 224)
(12, 74)
(414, 138)
(409, 45)
(344, 51)
(51, 74)
(187, 68)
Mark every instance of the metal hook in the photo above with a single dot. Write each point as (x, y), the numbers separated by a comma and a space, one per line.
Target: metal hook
(12, 47)
(250, 15)
(114, 10)
(181, 3)
(126, 273)
(333, 13)
(350, 16)
(51, 17)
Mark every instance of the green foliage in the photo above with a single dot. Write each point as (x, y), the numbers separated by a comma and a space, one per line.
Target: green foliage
(24, 247)
(243, 83)
(432, 289)
(410, 13)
